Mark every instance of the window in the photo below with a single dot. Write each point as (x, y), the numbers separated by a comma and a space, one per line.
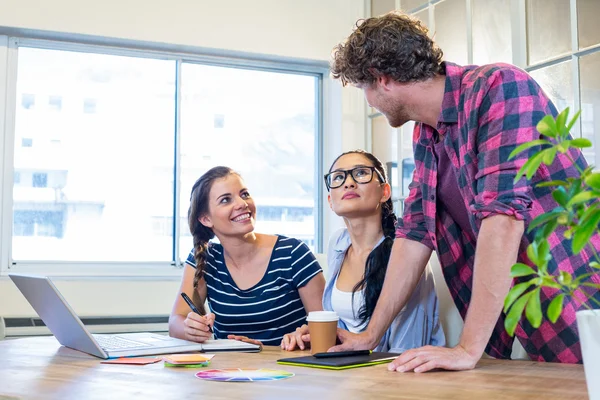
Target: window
(111, 179)
(565, 68)
(104, 185)
(273, 147)
(89, 106)
(17, 178)
(55, 103)
(219, 121)
(39, 180)
(27, 101)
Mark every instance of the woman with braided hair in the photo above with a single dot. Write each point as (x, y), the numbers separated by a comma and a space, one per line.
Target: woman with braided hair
(258, 286)
(357, 260)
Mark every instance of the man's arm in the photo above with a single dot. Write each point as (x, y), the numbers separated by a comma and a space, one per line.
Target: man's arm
(497, 247)
(407, 262)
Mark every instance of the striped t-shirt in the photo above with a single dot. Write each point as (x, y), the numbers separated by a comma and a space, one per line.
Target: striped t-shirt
(269, 309)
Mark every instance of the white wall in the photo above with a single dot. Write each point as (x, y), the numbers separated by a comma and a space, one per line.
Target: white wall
(306, 29)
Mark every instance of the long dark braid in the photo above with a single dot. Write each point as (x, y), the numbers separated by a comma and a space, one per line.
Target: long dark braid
(200, 233)
(377, 261)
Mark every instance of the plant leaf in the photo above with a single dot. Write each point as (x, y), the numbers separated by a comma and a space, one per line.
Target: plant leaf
(560, 195)
(585, 231)
(514, 315)
(544, 218)
(594, 264)
(555, 308)
(563, 146)
(590, 284)
(547, 230)
(572, 122)
(583, 277)
(547, 126)
(543, 253)
(561, 119)
(549, 155)
(515, 292)
(532, 253)
(553, 183)
(581, 143)
(530, 166)
(564, 278)
(593, 180)
(581, 197)
(533, 312)
(520, 269)
(527, 145)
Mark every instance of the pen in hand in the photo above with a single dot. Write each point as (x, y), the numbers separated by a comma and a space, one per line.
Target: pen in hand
(193, 307)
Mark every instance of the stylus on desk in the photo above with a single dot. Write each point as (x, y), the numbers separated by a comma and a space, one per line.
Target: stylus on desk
(193, 307)
(343, 353)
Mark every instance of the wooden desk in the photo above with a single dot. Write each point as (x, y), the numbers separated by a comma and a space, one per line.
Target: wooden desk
(40, 368)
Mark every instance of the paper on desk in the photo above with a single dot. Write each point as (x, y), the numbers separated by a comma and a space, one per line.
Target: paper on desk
(132, 360)
(192, 358)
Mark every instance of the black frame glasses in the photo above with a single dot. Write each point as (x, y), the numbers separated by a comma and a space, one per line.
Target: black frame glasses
(352, 172)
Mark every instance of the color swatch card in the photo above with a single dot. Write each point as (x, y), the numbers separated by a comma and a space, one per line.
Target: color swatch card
(243, 375)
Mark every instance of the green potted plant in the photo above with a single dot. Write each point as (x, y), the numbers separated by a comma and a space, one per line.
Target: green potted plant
(578, 211)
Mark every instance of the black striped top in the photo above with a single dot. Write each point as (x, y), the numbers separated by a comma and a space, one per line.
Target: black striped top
(269, 309)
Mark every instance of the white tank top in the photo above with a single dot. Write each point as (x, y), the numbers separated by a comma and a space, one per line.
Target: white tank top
(341, 302)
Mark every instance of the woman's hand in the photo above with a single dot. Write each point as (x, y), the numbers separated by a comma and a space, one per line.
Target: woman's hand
(300, 337)
(197, 327)
(246, 339)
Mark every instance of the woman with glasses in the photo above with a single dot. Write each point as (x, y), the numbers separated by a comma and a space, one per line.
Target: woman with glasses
(358, 256)
(258, 286)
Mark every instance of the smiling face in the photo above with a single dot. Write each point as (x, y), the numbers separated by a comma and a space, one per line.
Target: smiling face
(357, 200)
(231, 210)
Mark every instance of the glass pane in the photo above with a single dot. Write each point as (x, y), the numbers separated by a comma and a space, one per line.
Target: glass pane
(587, 21)
(590, 104)
(409, 5)
(384, 139)
(491, 31)
(423, 16)
(557, 83)
(263, 125)
(94, 154)
(548, 29)
(451, 31)
(379, 7)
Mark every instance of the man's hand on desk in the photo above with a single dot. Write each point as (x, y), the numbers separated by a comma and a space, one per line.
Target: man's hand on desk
(353, 341)
(426, 358)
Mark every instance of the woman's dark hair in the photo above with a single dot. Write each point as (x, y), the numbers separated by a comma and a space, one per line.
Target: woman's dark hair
(200, 233)
(377, 261)
(393, 44)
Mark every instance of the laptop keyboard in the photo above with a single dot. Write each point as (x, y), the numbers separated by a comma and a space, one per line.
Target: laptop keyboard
(115, 342)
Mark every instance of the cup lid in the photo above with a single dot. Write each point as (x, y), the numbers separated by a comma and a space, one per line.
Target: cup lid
(322, 316)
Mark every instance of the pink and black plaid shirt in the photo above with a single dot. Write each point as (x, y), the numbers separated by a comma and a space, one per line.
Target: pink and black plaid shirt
(486, 113)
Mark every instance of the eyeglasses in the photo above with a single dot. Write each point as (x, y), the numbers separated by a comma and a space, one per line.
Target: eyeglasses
(360, 175)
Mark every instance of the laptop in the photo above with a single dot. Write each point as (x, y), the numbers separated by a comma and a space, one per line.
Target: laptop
(68, 329)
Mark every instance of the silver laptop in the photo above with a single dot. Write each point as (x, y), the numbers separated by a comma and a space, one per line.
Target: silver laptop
(68, 329)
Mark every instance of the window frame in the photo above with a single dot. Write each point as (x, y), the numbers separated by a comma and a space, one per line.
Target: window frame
(10, 43)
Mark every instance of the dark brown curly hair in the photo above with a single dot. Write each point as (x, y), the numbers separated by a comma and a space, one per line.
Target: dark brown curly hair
(393, 44)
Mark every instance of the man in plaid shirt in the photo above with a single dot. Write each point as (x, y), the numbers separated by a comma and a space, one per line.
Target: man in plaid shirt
(462, 203)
